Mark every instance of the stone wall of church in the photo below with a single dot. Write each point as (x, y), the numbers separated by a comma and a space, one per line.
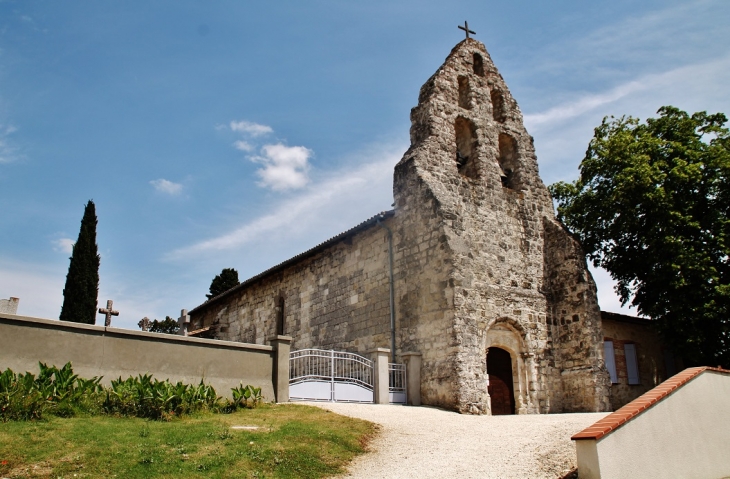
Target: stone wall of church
(425, 287)
(479, 262)
(575, 338)
(336, 299)
(492, 226)
(471, 150)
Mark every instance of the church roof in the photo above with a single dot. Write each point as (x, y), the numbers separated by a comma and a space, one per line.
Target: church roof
(301, 256)
(624, 318)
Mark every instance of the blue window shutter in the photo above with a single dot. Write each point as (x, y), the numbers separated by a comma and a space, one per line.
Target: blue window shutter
(632, 366)
(610, 360)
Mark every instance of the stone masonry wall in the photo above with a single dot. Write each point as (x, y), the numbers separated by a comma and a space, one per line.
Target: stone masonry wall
(479, 262)
(336, 299)
(470, 148)
(9, 306)
(649, 355)
(425, 287)
(575, 342)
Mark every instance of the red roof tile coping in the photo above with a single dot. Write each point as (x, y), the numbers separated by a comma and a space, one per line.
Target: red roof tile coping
(617, 419)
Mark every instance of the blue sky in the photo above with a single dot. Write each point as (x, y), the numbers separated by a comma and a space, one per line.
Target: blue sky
(238, 134)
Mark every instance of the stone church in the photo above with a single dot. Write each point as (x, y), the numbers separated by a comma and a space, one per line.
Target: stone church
(487, 285)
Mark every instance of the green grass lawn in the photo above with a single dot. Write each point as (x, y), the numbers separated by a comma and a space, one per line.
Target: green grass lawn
(291, 441)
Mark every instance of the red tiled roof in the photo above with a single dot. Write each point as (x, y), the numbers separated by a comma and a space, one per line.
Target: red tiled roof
(617, 419)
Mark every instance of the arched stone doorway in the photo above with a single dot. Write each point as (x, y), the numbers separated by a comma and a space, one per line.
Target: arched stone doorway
(507, 338)
(501, 383)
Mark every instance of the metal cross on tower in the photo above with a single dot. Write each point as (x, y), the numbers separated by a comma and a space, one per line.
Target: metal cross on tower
(108, 312)
(466, 29)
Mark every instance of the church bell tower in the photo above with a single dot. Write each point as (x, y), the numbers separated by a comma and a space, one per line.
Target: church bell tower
(505, 274)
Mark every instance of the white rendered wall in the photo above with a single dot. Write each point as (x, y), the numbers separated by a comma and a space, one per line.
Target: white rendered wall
(685, 435)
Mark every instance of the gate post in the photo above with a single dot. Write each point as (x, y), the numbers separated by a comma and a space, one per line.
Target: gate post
(381, 391)
(280, 373)
(413, 377)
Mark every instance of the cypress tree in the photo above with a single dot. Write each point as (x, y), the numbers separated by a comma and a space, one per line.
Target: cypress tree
(82, 281)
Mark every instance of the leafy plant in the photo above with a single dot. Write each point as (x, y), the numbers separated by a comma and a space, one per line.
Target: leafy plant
(63, 393)
(223, 282)
(59, 391)
(146, 397)
(19, 398)
(246, 396)
(652, 207)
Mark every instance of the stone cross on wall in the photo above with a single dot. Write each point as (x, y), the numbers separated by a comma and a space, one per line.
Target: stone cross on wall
(108, 312)
(183, 321)
(145, 323)
(466, 29)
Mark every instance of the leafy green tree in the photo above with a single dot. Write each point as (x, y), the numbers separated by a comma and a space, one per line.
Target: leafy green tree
(168, 326)
(223, 282)
(82, 280)
(651, 207)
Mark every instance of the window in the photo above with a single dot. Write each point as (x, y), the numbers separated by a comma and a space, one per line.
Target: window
(280, 316)
(610, 360)
(632, 366)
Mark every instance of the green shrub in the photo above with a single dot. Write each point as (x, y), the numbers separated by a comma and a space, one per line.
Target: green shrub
(62, 393)
(19, 398)
(56, 391)
(245, 397)
(146, 397)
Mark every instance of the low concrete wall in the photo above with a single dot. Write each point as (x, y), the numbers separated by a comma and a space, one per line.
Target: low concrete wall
(112, 352)
(679, 429)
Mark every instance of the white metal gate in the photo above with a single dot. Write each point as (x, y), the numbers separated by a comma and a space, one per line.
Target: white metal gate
(397, 383)
(319, 375)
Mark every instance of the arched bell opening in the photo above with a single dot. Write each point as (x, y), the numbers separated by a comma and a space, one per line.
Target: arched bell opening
(508, 162)
(478, 64)
(466, 147)
(501, 386)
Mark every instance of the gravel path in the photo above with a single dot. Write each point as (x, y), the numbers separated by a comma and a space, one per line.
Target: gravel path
(424, 442)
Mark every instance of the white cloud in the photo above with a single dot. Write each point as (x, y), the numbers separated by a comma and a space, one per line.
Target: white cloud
(250, 128)
(325, 208)
(243, 145)
(64, 245)
(168, 187)
(285, 167)
(563, 131)
(584, 104)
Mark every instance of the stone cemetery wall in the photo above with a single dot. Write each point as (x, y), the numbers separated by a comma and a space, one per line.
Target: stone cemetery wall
(113, 352)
